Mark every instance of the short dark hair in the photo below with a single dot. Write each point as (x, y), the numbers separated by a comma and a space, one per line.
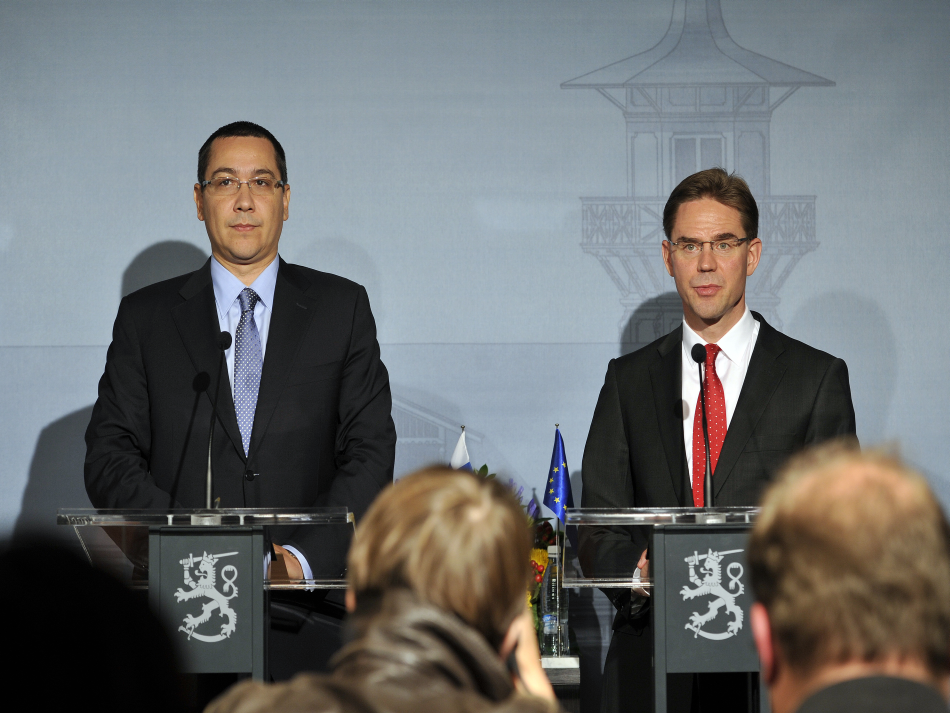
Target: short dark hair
(729, 189)
(241, 128)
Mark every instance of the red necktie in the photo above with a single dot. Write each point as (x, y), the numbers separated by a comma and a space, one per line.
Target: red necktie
(715, 420)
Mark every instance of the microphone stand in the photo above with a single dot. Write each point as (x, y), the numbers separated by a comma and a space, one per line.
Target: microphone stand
(224, 342)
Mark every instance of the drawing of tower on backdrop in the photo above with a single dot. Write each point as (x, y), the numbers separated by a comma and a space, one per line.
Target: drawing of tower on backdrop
(694, 101)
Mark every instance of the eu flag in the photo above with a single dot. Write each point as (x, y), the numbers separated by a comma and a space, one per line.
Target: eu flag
(557, 491)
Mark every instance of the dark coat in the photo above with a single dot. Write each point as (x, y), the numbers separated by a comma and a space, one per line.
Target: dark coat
(323, 434)
(875, 694)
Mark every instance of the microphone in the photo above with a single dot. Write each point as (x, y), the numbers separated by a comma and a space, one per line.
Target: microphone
(199, 385)
(224, 343)
(698, 352)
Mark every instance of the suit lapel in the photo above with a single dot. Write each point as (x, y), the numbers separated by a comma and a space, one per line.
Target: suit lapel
(762, 378)
(290, 319)
(667, 377)
(197, 321)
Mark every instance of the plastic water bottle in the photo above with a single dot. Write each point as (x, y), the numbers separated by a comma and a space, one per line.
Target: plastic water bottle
(550, 616)
(564, 642)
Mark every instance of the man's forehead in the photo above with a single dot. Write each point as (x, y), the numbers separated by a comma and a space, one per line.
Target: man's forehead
(704, 213)
(242, 153)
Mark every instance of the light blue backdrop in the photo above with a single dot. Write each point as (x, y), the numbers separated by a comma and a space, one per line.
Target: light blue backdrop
(435, 158)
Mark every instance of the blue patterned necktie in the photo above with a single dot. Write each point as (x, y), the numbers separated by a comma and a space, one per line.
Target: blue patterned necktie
(248, 358)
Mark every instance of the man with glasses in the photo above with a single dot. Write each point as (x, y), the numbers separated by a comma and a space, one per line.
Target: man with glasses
(302, 399)
(766, 396)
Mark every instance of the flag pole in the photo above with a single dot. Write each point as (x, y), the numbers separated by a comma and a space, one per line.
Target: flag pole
(560, 567)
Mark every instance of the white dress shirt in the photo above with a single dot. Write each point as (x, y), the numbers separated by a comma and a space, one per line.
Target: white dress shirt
(732, 363)
(227, 287)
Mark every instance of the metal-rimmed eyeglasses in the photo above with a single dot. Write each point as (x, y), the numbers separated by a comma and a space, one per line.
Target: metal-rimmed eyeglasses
(689, 249)
(229, 185)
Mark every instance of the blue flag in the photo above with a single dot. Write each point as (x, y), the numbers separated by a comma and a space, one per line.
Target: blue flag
(557, 491)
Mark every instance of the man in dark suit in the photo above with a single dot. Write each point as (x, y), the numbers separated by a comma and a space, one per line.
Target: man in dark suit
(303, 400)
(767, 396)
(850, 565)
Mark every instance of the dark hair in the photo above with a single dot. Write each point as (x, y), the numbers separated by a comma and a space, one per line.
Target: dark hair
(729, 189)
(241, 128)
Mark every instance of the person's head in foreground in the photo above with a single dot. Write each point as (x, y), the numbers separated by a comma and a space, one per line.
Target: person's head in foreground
(850, 562)
(437, 580)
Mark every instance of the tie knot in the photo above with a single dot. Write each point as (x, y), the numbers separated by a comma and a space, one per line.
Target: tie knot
(248, 299)
(712, 351)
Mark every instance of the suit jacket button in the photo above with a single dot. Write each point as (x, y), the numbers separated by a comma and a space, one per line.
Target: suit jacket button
(249, 476)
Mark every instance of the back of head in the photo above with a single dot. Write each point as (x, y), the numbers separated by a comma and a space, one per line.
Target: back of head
(84, 632)
(241, 128)
(729, 189)
(851, 558)
(455, 540)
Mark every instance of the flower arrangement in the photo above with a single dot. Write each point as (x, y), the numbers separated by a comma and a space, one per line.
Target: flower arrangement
(544, 537)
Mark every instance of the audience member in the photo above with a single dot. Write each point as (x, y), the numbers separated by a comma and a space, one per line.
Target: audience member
(850, 562)
(81, 638)
(437, 583)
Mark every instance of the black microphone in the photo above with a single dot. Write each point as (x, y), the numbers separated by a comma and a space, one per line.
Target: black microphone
(698, 352)
(224, 343)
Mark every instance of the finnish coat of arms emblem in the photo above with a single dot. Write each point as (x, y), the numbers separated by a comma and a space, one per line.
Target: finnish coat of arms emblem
(200, 578)
(710, 584)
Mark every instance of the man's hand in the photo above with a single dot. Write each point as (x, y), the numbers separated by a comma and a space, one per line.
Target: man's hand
(644, 568)
(287, 568)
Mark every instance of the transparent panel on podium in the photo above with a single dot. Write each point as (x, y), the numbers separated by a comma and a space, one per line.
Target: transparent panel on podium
(117, 541)
(603, 545)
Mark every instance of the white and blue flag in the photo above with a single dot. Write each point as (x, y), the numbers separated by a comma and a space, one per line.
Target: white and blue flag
(460, 459)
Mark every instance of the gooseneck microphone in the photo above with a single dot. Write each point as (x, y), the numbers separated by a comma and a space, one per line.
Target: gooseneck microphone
(698, 352)
(224, 343)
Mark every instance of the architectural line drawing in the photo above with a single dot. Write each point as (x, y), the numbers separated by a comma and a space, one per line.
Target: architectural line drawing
(693, 101)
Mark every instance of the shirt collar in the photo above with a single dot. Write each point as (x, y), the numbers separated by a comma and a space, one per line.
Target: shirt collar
(733, 342)
(227, 287)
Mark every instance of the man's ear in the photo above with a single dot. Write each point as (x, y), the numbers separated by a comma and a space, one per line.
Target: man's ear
(762, 633)
(350, 601)
(199, 202)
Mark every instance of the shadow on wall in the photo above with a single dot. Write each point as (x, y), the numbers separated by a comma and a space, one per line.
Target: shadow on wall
(347, 259)
(857, 330)
(654, 318)
(56, 470)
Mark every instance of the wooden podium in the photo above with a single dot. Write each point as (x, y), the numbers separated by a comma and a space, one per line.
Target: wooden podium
(205, 572)
(700, 596)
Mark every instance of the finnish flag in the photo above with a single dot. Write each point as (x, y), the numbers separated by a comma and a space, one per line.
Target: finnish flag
(460, 459)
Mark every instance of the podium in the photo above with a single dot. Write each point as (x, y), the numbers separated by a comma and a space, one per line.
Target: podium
(205, 572)
(699, 584)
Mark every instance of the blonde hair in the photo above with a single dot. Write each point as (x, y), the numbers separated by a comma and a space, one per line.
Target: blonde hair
(454, 539)
(851, 558)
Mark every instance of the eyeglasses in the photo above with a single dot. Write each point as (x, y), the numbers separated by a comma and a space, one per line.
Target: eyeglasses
(720, 248)
(229, 185)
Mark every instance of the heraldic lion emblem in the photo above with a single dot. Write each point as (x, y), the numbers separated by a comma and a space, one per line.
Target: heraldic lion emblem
(203, 585)
(711, 585)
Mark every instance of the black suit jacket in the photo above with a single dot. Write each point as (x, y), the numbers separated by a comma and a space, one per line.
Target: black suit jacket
(323, 433)
(793, 395)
